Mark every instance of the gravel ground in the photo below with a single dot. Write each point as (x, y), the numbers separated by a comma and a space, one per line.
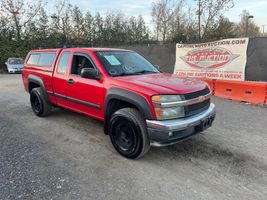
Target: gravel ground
(67, 156)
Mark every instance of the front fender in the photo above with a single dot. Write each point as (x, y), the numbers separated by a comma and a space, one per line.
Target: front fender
(124, 95)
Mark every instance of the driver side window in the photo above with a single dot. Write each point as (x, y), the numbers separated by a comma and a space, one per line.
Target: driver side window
(79, 62)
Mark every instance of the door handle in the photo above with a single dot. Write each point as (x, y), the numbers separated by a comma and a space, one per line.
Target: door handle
(70, 81)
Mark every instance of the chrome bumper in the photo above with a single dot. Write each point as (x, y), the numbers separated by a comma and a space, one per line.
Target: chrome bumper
(164, 133)
(14, 70)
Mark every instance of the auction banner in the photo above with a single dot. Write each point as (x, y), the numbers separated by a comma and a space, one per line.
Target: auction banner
(223, 59)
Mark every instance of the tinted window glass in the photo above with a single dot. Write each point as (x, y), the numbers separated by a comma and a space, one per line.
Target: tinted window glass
(125, 63)
(63, 63)
(33, 60)
(79, 62)
(46, 59)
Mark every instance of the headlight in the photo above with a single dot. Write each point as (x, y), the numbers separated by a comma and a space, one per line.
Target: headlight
(169, 112)
(166, 98)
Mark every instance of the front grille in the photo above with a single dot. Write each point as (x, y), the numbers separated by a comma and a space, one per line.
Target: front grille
(196, 94)
(198, 107)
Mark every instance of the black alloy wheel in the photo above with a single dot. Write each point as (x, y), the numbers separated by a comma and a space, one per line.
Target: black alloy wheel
(39, 105)
(128, 133)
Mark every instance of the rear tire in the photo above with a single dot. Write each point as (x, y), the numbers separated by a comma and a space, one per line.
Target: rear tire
(128, 134)
(40, 106)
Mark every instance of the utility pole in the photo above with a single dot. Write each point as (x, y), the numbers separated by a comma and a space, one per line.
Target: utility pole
(248, 17)
(15, 14)
(199, 22)
(263, 27)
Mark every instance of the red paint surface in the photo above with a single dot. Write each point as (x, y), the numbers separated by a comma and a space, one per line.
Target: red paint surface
(94, 91)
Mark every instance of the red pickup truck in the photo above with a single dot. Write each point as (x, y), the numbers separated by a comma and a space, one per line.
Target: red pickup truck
(139, 105)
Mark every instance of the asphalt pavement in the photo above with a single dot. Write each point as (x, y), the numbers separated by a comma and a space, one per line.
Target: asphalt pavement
(67, 156)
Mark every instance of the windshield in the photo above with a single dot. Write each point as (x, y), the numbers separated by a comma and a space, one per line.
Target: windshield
(125, 63)
(15, 61)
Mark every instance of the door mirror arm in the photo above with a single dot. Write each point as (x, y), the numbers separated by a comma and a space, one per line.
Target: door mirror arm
(90, 73)
(158, 68)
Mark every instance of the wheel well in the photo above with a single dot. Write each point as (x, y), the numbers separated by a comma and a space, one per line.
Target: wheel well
(33, 85)
(112, 107)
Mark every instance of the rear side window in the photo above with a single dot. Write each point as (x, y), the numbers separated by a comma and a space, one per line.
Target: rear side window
(33, 59)
(41, 59)
(63, 63)
(46, 59)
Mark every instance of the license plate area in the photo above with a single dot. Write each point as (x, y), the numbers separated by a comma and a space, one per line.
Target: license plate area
(206, 123)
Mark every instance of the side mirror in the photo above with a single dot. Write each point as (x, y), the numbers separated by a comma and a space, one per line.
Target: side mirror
(90, 73)
(157, 67)
(6, 63)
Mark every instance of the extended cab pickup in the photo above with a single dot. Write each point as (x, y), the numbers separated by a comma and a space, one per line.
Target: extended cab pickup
(139, 105)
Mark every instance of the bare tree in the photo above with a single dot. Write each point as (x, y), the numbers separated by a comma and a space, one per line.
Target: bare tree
(178, 21)
(78, 24)
(190, 25)
(98, 29)
(163, 12)
(88, 28)
(210, 12)
(156, 17)
(6, 32)
(62, 19)
(30, 22)
(225, 29)
(20, 12)
(246, 23)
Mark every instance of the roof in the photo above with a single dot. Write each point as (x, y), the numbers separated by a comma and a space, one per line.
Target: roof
(104, 49)
(79, 48)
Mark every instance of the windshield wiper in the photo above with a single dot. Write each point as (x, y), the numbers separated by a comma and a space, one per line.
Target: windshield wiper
(145, 72)
(135, 73)
(123, 74)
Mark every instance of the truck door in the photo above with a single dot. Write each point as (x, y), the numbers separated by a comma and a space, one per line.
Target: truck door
(60, 83)
(85, 95)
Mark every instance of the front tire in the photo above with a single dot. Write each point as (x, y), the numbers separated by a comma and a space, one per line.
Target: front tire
(127, 131)
(39, 105)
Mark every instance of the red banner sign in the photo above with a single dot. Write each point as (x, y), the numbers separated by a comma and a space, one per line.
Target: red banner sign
(225, 59)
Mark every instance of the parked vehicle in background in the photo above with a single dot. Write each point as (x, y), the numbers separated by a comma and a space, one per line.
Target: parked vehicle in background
(14, 65)
(140, 106)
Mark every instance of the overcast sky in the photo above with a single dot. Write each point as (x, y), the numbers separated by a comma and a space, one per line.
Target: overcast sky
(258, 8)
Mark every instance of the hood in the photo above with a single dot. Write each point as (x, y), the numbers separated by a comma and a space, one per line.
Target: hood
(15, 66)
(162, 84)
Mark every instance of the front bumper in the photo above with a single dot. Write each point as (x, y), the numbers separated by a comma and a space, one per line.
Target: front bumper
(16, 70)
(164, 133)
